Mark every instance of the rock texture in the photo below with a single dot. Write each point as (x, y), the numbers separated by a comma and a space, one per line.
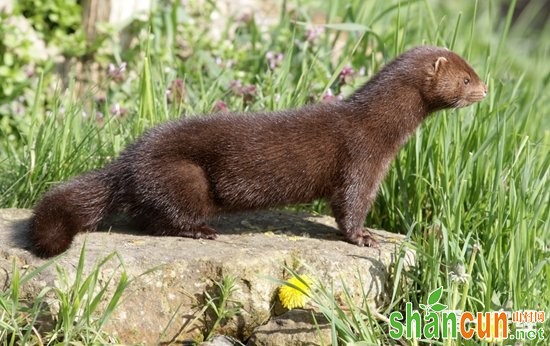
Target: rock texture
(171, 275)
(293, 328)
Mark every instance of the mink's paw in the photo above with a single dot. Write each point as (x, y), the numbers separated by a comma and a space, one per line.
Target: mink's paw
(200, 232)
(362, 237)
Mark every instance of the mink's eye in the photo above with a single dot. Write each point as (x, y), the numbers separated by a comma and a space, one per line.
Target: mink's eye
(466, 81)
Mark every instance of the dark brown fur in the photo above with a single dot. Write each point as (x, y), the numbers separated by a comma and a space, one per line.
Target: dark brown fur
(180, 174)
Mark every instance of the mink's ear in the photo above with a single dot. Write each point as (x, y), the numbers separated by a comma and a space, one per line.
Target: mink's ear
(436, 66)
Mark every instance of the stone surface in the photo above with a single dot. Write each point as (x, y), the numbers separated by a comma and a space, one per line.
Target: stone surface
(220, 340)
(170, 275)
(293, 328)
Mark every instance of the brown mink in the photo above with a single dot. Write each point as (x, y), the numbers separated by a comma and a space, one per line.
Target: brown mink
(180, 174)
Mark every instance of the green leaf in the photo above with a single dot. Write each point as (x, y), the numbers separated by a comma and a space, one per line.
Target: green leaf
(438, 307)
(4, 71)
(8, 59)
(435, 295)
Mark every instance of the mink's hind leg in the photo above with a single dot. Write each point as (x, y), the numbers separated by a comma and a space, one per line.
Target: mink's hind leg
(175, 200)
(163, 227)
(199, 232)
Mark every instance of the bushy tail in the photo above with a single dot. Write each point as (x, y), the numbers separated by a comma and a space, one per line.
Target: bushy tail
(72, 207)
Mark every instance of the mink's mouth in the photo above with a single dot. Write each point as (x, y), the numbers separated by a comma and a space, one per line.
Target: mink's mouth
(478, 96)
(466, 101)
(471, 98)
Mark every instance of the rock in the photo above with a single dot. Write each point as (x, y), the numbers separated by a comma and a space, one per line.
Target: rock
(220, 340)
(293, 328)
(170, 275)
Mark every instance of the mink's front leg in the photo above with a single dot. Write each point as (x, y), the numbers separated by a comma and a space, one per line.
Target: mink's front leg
(350, 206)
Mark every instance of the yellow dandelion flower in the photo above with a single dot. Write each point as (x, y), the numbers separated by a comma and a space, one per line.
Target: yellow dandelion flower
(291, 297)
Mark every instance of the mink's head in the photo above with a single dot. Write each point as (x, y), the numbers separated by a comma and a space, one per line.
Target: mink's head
(449, 81)
(434, 77)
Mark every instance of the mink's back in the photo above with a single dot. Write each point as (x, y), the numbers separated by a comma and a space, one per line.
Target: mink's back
(250, 161)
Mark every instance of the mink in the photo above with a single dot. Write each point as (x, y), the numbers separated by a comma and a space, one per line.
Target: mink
(180, 174)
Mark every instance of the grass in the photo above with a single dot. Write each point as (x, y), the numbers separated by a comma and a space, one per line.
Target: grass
(222, 306)
(476, 178)
(85, 304)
